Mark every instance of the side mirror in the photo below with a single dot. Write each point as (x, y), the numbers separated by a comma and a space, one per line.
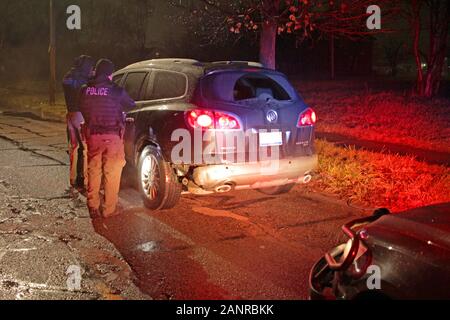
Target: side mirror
(350, 250)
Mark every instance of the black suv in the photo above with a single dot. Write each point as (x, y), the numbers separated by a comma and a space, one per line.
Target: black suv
(214, 127)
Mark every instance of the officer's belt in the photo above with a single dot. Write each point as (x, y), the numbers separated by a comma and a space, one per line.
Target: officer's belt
(104, 130)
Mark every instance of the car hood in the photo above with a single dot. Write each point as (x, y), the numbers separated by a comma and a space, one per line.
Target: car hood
(427, 224)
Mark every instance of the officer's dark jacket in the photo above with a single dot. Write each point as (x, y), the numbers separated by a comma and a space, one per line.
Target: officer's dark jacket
(72, 83)
(102, 104)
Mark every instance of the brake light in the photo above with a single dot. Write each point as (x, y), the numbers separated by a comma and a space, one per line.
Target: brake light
(307, 118)
(203, 119)
(226, 121)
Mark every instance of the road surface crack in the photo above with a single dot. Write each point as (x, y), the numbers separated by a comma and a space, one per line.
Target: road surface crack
(25, 129)
(35, 152)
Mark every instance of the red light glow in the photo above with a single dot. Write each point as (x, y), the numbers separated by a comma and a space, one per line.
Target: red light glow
(307, 118)
(212, 120)
(225, 121)
(204, 121)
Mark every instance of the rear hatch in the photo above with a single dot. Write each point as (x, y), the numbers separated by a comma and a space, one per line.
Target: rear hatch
(267, 108)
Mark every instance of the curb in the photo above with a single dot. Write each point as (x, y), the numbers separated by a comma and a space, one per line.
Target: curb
(34, 106)
(55, 113)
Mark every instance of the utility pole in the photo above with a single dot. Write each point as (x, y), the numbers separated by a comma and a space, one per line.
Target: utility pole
(52, 56)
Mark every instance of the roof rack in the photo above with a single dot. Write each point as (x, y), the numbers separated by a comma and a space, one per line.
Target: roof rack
(175, 60)
(249, 63)
(163, 61)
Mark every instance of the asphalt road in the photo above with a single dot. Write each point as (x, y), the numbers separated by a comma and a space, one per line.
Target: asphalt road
(240, 245)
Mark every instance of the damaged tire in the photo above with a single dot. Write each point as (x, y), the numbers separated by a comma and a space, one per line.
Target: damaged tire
(157, 182)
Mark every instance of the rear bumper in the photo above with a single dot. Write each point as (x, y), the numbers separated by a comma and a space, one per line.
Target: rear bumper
(256, 175)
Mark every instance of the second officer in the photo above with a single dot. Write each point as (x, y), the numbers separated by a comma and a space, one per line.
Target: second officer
(102, 104)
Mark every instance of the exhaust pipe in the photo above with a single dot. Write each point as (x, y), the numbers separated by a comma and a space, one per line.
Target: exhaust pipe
(307, 179)
(223, 188)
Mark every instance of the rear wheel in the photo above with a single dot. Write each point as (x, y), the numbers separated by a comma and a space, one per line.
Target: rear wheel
(273, 191)
(158, 184)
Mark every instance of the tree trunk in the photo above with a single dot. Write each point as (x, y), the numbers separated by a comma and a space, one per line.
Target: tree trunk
(268, 37)
(439, 21)
(267, 47)
(415, 21)
(439, 24)
(435, 66)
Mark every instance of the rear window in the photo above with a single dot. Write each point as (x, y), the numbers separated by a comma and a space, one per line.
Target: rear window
(251, 87)
(167, 85)
(133, 84)
(241, 86)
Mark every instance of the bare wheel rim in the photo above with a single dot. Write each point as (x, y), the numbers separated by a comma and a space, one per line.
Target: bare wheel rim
(150, 179)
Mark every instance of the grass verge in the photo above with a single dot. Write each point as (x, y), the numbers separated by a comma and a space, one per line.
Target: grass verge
(379, 180)
(387, 116)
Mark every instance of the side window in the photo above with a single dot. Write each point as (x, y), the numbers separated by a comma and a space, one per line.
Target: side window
(117, 79)
(167, 85)
(133, 84)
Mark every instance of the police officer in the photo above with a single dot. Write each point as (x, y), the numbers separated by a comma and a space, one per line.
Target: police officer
(72, 83)
(102, 104)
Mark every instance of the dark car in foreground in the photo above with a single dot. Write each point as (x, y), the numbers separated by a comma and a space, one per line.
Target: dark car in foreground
(389, 256)
(207, 128)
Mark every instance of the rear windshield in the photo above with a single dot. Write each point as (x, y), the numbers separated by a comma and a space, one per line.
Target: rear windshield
(241, 86)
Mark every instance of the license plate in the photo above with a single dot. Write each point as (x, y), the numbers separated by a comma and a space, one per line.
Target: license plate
(268, 139)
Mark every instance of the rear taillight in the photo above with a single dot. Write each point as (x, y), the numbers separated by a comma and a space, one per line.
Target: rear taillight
(225, 121)
(307, 118)
(199, 119)
(204, 119)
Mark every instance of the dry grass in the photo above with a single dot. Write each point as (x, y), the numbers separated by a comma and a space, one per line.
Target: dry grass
(380, 180)
(33, 98)
(351, 109)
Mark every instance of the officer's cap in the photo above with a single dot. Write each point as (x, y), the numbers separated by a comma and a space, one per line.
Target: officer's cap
(84, 61)
(104, 68)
